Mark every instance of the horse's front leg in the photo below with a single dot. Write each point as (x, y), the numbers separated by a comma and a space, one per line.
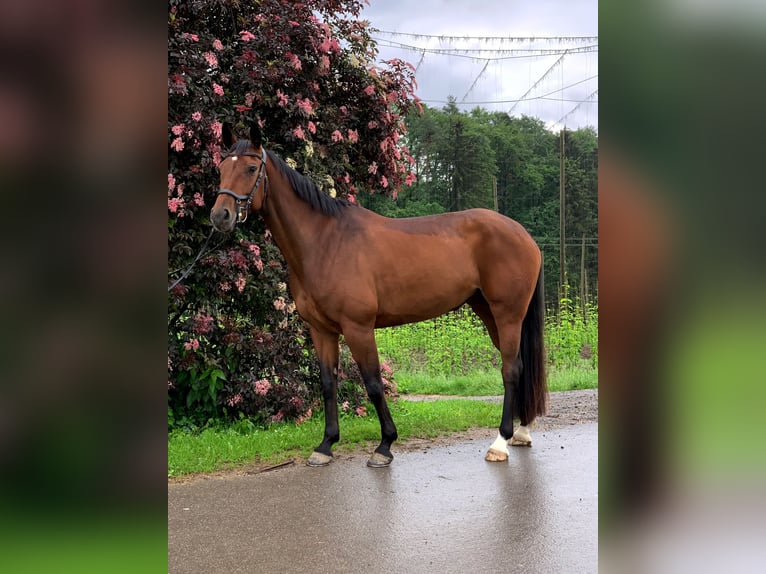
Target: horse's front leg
(361, 341)
(326, 345)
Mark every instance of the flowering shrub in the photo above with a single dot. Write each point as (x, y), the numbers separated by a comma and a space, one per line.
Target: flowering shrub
(306, 72)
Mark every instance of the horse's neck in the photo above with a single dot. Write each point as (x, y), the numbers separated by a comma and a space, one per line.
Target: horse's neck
(293, 223)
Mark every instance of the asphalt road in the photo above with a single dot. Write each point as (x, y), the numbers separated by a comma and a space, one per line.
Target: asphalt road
(444, 510)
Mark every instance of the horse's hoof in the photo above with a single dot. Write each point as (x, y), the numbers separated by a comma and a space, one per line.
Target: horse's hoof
(319, 459)
(521, 437)
(494, 455)
(378, 460)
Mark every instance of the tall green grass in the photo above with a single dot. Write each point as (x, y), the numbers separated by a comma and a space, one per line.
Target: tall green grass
(453, 354)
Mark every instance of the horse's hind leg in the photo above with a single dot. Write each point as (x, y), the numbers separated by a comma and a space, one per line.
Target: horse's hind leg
(509, 334)
(361, 341)
(326, 345)
(511, 370)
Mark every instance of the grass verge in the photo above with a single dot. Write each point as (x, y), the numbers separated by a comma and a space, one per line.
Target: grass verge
(227, 447)
(482, 383)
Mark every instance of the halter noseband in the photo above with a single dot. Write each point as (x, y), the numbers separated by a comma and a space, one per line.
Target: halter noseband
(244, 201)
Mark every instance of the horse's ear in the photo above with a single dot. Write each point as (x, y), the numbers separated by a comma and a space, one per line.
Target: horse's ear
(227, 136)
(255, 134)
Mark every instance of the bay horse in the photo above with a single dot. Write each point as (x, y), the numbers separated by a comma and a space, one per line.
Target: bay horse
(352, 271)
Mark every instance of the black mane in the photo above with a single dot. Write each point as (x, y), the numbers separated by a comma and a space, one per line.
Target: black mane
(307, 190)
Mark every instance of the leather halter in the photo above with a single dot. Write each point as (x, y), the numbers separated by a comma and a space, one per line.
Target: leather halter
(244, 201)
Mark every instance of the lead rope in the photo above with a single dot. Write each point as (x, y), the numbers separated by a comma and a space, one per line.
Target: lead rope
(200, 254)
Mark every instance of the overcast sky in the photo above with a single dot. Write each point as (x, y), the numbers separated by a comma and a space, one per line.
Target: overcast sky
(509, 75)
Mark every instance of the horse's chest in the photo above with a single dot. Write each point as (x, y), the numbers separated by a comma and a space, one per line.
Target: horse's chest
(309, 308)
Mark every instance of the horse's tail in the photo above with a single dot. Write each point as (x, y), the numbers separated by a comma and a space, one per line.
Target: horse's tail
(533, 387)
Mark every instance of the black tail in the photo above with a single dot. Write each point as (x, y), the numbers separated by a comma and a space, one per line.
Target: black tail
(533, 386)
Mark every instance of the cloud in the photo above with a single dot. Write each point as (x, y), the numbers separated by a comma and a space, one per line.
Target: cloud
(509, 75)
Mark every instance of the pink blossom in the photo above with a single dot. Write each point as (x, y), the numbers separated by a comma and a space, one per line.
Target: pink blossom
(344, 407)
(337, 136)
(259, 265)
(361, 411)
(224, 286)
(410, 179)
(253, 248)
(372, 124)
(203, 323)
(178, 129)
(369, 90)
(296, 402)
(246, 36)
(305, 106)
(324, 63)
(353, 136)
(217, 89)
(294, 61)
(293, 23)
(279, 304)
(175, 203)
(312, 127)
(216, 127)
(199, 200)
(324, 47)
(373, 167)
(192, 37)
(351, 199)
(335, 45)
(262, 387)
(192, 345)
(240, 282)
(234, 400)
(343, 110)
(281, 98)
(304, 417)
(298, 132)
(249, 99)
(210, 58)
(177, 144)
(217, 45)
(171, 182)
(196, 116)
(383, 181)
(277, 417)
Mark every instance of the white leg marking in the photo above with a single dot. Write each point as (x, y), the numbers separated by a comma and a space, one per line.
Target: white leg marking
(500, 444)
(521, 437)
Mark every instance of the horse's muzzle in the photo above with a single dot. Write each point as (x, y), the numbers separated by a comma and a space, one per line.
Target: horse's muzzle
(223, 219)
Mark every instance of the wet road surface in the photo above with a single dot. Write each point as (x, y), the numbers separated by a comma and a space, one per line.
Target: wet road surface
(444, 510)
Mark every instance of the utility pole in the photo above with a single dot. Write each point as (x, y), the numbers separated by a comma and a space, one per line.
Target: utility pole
(583, 282)
(562, 224)
(494, 192)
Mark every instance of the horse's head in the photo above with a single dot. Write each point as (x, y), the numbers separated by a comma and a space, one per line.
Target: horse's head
(243, 179)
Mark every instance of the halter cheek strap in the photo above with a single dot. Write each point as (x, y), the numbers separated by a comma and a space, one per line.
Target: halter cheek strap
(244, 201)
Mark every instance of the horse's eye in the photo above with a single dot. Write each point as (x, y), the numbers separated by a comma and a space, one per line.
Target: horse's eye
(252, 169)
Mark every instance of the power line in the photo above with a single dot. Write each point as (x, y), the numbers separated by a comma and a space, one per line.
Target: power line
(560, 39)
(474, 82)
(545, 75)
(512, 101)
(466, 53)
(575, 108)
